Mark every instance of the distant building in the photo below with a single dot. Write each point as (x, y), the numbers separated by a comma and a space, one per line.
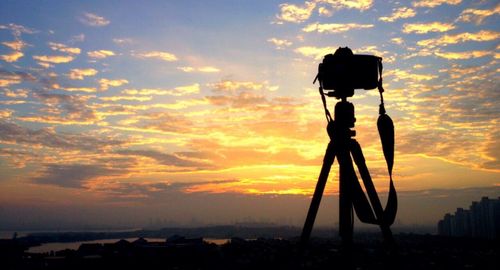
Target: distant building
(481, 220)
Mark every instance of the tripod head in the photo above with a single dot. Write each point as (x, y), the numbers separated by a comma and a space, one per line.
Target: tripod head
(344, 114)
(340, 128)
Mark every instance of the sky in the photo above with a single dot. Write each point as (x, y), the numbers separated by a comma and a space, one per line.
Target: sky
(116, 113)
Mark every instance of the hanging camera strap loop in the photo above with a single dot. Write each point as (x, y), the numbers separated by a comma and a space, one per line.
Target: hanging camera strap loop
(386, 131)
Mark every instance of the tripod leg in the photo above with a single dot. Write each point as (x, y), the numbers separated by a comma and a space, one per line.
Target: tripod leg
(347, 175)
(351, 195)
(359, 159)
(318, 193)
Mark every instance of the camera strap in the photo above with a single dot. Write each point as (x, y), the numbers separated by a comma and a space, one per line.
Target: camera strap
(323, 99)
(386, 131)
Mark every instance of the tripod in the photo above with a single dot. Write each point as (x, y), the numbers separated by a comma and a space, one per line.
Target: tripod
(342, 145)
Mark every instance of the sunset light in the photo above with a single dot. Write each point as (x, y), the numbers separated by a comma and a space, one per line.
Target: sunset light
(204, 112)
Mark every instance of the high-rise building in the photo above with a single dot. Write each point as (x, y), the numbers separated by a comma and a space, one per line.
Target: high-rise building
(481, 220)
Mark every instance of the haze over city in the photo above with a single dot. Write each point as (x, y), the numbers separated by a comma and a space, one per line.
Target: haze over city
(115, 113)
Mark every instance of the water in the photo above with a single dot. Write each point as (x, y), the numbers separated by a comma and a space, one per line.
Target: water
(216, 241)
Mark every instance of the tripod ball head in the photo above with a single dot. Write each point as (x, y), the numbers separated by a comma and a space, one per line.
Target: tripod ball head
(344, 114)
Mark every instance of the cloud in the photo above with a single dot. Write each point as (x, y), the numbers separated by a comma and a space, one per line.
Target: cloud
(493, 150)
(334, 27)
(63, 48)
(399, 74)
(165, 56)
(477, 15)
(73, 175)
(208, 69)
(94, 20)
(233, 144)
(16, 45)
(129, 98)
(18, 157)
(440, 143)
(204, 69)
(45, 64)
(18, 93)
(77, 38)
(8, 77)
(48, 137)
(62, 109)
(12, 57)
(280, 43)
(106, 83)
(147, 91)
(463, 55)
(122, 41)
(178, 91)
(159, 189)
(295, 13)
(109, 109)
(323, 11)
(452, 109)
(17, 29)
(422, 28)
(163, 158)
(54, 59)
(481, 36)
(459, 72)
(186, 90)
(6, 113)
(78, 89)
(397, 40)
(252, 101)
(399, 13)
(233, 86)
(12, 102)
(186, 69)
(315, 52)
(79, 74)
(100, 54)
(435, 3)
(349, 4)
(371, 49)
(241, 100)
(161, 121)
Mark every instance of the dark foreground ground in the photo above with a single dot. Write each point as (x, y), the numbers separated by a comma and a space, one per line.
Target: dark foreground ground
(412, 252)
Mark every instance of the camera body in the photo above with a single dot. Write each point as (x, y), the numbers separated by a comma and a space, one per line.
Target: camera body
(344, 71)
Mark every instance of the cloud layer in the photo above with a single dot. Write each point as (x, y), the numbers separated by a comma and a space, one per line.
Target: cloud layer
(161, 111)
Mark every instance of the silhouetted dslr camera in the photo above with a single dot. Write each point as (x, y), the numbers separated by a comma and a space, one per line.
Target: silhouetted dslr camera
(344, 71)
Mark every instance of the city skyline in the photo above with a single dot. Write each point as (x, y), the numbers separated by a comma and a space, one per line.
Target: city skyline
(480, 220)
(114, 112)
